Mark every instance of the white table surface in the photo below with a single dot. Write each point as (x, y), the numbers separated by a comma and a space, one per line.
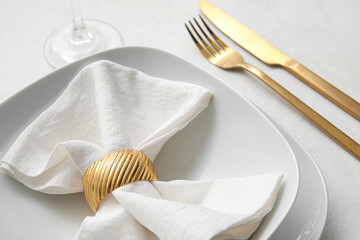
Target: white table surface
(322, 35)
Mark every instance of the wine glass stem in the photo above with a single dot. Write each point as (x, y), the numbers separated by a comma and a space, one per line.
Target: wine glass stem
(80, 33)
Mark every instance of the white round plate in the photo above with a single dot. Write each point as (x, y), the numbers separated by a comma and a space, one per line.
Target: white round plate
(231, 138)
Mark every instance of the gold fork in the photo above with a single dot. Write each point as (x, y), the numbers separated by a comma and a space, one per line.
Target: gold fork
(221, 55)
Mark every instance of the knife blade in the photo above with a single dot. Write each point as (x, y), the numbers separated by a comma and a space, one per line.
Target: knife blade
(263, 50)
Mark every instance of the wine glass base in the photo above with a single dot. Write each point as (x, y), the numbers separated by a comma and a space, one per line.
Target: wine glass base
(60, 50)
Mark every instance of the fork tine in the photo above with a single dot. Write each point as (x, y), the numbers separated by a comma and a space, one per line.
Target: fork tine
(203, 41)
(221, 43)
(217, 48)
(201, 48)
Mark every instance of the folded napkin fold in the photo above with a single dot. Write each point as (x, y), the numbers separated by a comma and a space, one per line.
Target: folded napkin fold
(108, 107)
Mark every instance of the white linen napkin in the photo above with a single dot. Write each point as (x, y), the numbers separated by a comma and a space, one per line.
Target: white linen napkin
(108, 107)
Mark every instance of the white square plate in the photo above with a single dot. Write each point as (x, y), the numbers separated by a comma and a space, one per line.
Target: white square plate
(231, 138)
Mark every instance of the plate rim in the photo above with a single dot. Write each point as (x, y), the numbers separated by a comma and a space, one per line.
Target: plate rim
(315, 165)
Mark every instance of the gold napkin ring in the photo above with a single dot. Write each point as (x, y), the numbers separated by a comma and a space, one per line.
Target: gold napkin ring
(115, 170)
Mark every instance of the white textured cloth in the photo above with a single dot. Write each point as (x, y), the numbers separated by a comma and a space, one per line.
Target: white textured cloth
(108, 107)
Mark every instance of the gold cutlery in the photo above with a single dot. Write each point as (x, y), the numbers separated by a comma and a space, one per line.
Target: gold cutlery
(267, 53)
(221, 55)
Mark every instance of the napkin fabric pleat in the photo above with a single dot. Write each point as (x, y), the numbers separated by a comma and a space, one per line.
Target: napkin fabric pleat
(221, 209)
(105, 108)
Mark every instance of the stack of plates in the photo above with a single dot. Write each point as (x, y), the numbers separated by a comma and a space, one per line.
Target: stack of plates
(231, 138)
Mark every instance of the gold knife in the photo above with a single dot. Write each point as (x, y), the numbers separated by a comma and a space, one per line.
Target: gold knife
(267, 53)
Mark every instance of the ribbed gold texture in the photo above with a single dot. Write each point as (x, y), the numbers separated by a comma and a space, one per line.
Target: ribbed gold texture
(115, 170)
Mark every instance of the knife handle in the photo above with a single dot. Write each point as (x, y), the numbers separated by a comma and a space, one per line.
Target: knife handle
(324, 88)
(344, 140)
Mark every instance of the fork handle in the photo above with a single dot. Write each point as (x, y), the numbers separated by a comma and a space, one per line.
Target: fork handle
(324, 88)
(336, 134)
